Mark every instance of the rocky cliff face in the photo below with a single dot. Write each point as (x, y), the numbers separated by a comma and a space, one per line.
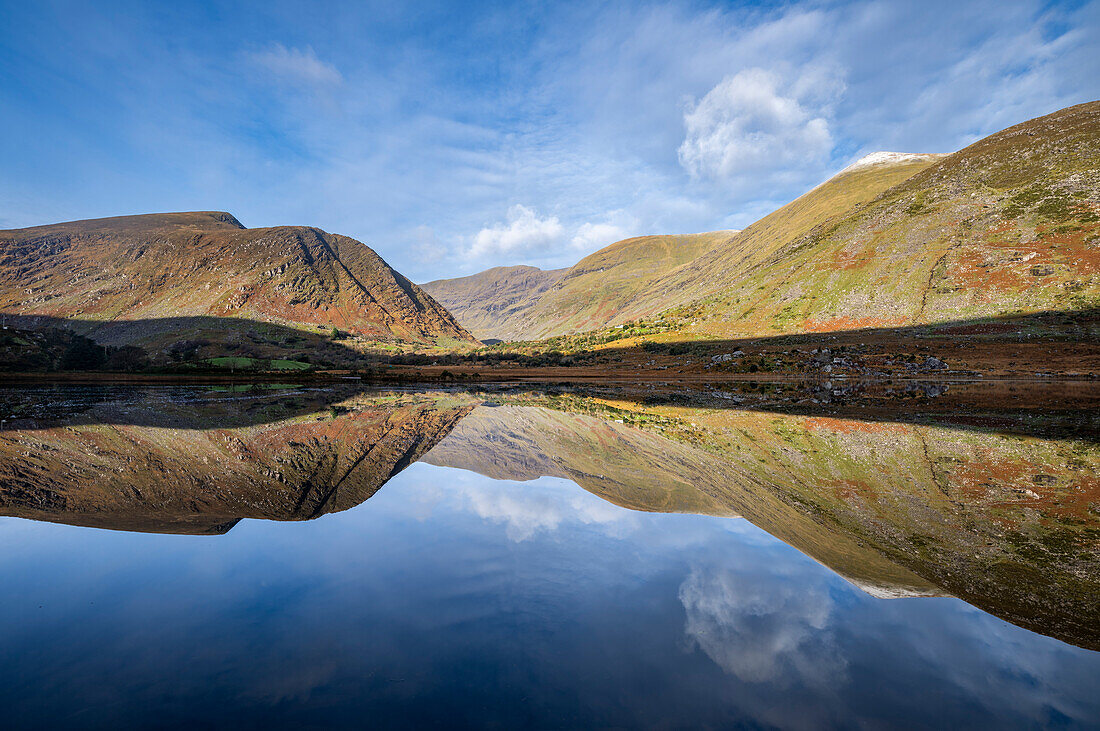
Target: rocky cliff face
(128, 279)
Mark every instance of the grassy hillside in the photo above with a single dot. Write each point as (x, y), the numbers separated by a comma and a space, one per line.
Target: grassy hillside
(719, 268)
(159, 268)
(594, 292)
(640, 277)
(1008, 225)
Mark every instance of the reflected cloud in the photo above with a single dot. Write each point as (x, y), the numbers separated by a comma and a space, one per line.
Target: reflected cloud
(762, 630)
(528, 509)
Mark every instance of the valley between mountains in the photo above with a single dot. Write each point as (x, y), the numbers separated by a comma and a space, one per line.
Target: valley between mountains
(982, 262)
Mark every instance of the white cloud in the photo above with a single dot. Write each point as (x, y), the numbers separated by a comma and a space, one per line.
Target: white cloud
(761, 630)
(523, 233)
(528, 509)
(616, 226)
(752, 125)
(528, 237)
(297, 65)
(592, 236)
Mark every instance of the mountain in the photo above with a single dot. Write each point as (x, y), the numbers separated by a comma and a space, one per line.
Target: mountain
(628, 467)
(1006, 226)
(130, 279)
(481, 302)
(645, 471)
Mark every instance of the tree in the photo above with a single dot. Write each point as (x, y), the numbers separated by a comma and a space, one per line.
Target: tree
(82, 354)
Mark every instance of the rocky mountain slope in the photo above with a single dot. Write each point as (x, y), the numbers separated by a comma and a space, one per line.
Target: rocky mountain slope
(130, 279)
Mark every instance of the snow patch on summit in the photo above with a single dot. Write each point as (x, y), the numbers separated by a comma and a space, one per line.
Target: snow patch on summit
(890, 158)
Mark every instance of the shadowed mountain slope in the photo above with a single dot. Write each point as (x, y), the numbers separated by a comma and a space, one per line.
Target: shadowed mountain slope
(162, 266)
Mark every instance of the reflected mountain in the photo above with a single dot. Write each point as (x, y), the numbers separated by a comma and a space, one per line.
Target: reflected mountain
(922, 496)
(1008, 523)
(188, 460)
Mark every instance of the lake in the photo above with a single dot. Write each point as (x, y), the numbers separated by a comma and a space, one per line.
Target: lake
(741, 555)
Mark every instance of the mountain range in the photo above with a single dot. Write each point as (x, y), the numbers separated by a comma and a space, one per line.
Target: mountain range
(1008, 225)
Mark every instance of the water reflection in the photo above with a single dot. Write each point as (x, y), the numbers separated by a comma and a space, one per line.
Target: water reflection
(197, 460)
(545, 522)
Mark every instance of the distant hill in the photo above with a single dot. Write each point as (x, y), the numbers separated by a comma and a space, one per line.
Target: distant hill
(131, 279)
(1007, 226)
(483, 302)
(523, 303)
(640, 277)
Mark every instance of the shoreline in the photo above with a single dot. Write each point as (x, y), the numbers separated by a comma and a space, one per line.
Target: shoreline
(431, 375)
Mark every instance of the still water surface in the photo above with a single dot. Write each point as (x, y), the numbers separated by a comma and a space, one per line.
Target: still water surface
(454, 597)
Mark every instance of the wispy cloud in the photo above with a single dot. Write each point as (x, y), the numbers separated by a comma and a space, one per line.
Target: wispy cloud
(523, 233)
(296, 65)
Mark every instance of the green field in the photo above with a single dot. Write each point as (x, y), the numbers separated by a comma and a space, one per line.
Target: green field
(278, 364)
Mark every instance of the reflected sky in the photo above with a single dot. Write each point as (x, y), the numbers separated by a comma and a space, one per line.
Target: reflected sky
(449, 598)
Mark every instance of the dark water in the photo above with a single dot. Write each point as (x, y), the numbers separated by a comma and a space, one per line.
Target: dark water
(413, 559)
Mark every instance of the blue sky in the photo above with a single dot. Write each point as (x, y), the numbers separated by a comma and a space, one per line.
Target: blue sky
(451, 137)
